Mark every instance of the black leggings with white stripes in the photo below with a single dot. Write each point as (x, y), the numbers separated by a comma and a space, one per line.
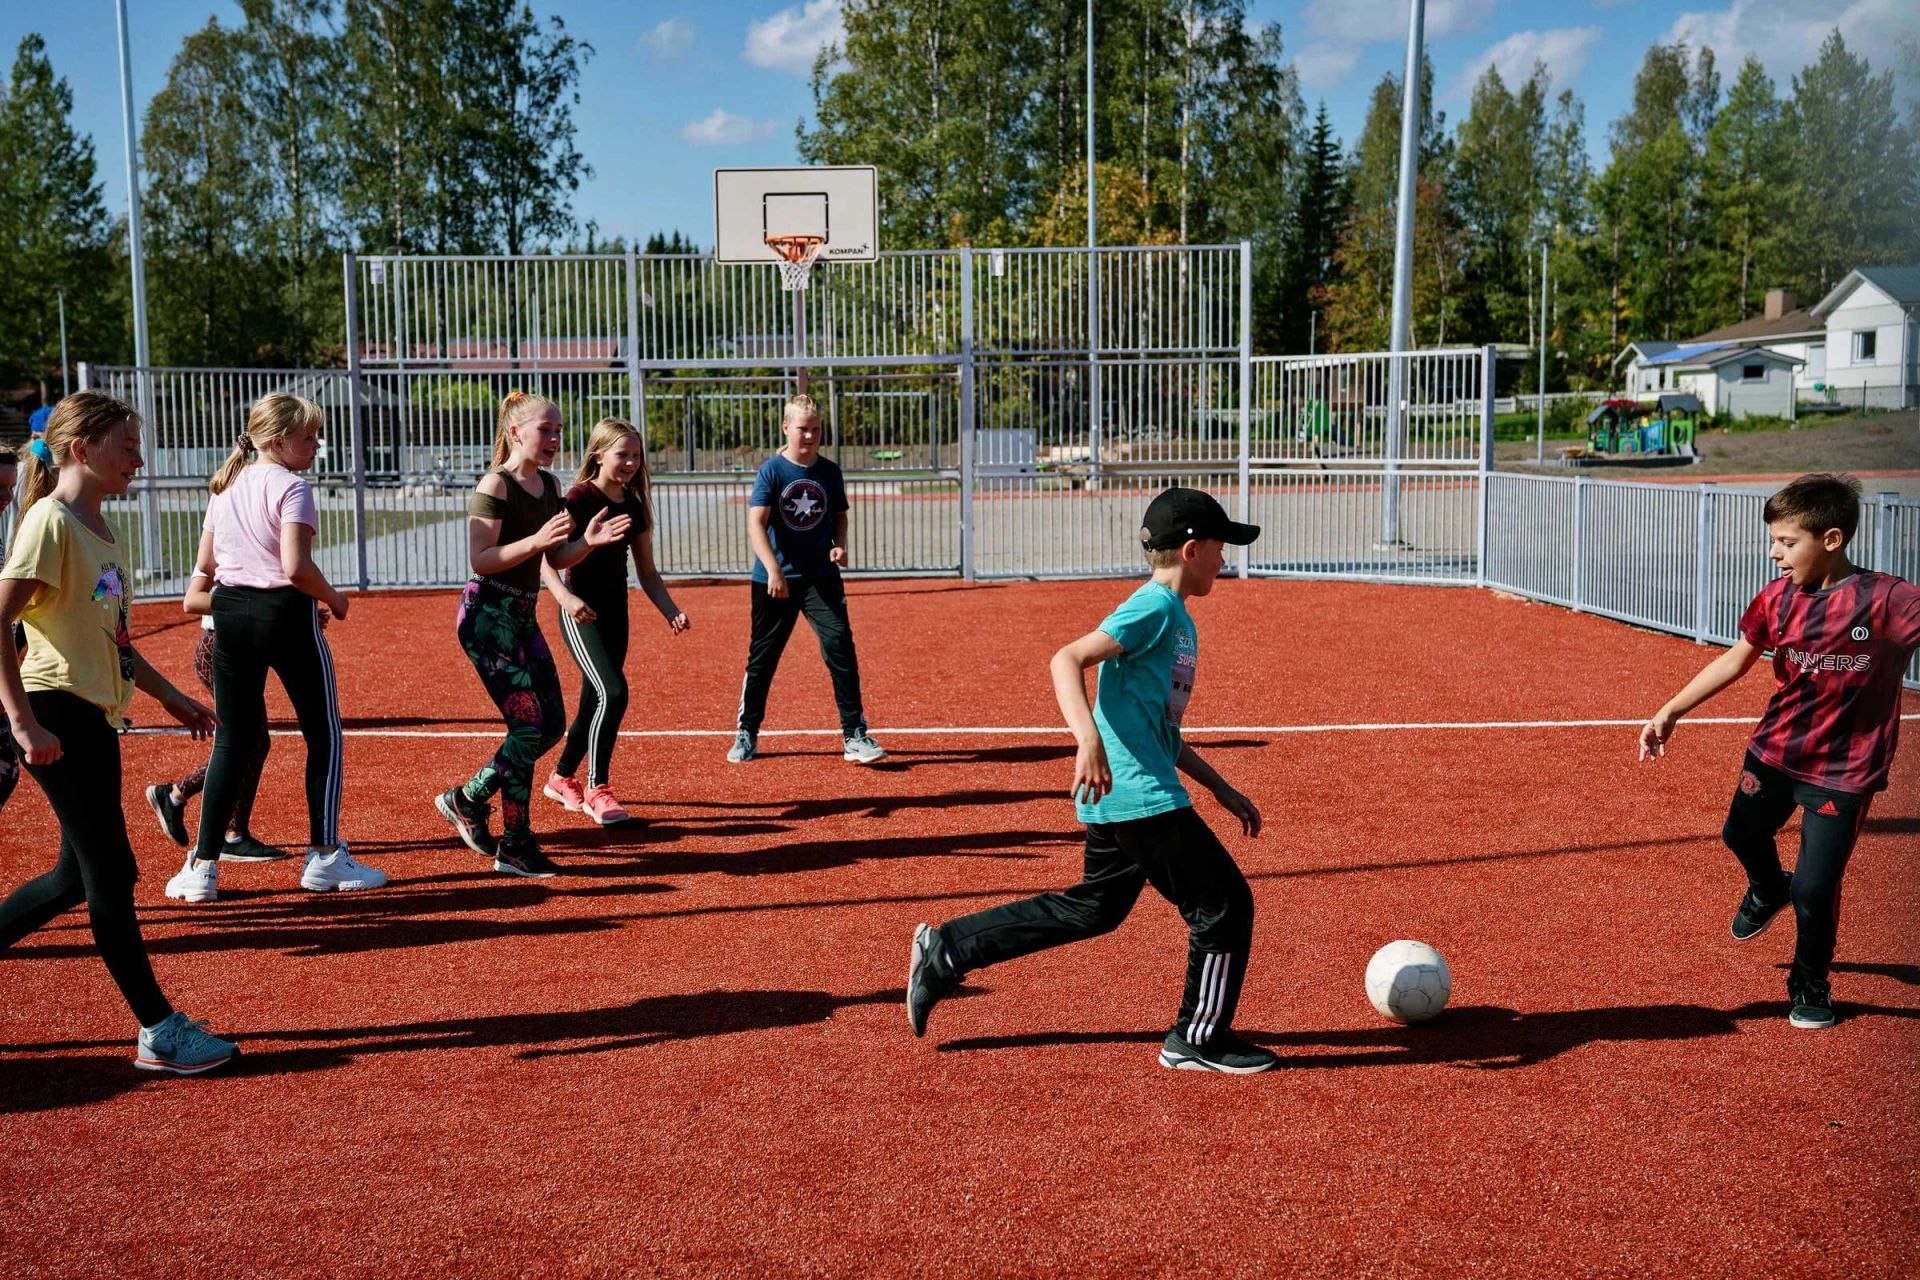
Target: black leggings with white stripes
(600, 647)
(256, 630)
(1178, 856)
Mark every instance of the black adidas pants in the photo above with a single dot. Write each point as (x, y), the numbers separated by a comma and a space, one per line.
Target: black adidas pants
(824, 602)
(1830, 822)
(256, 630)
(1180, 857)
(600, 647)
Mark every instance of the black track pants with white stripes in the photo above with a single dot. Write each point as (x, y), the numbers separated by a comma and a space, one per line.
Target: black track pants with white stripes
(1179, 857)
(600, 647)
(256, 630)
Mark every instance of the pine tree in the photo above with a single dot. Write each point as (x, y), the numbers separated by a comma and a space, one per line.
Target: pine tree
(1746, 183)
(1319, 204)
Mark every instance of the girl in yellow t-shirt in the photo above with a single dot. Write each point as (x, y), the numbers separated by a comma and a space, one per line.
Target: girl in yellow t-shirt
(66, 581)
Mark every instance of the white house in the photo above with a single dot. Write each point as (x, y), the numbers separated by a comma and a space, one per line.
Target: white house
(1872, 320)
(1739, 381)
(1783, 327)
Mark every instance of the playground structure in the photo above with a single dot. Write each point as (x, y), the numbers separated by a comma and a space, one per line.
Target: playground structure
(1632, 428)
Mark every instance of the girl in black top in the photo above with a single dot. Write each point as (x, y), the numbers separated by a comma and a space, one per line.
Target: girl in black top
(593, 612)
(516, 525)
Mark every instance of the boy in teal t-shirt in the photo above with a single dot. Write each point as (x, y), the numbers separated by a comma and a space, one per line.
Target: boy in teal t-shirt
(1141, 828)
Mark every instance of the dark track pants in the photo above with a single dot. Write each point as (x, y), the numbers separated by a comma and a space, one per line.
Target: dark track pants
(256, 630)
(96, 863)
(500, 632)
(824, 602)
(1175, 853)
(1830, 822)
(251, 762)
(600, 647)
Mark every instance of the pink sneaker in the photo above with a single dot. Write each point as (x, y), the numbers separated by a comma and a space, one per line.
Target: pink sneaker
(564, 791)
(605, 809)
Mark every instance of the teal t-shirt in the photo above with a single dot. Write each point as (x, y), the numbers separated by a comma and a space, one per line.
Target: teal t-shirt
(1142, 695)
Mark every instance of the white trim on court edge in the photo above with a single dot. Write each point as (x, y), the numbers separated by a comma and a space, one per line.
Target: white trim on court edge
(1044, 731)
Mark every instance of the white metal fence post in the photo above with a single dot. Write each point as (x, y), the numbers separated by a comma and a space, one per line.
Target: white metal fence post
(967, 442)
(1703, 576)
(636, 387)
(357, 431)
(1246, 394)
(1579, 542)
(86, 377)
(1485, 497)
(1885, 557)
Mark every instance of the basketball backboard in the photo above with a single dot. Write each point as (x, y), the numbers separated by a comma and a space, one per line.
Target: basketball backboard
(839, 202)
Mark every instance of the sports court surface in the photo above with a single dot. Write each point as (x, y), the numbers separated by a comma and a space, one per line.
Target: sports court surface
(687, 1054)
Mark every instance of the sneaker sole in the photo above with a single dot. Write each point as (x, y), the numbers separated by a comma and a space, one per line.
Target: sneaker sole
(460, 826)
(159, 807)
(1201, 1064)
(1778, 912)
(734, 759)
(193, 897)
(175, 1069)
(506, 868)
(1804, 1025)
(249, 857)
(562, 801)
(613, 819)
(854, 757)
(918, 957)
(342, 885)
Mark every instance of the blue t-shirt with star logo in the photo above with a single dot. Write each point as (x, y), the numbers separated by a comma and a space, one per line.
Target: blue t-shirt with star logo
(804, 501)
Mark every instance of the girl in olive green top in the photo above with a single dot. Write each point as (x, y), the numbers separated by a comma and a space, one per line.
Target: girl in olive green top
(65, 581)
(516, 519)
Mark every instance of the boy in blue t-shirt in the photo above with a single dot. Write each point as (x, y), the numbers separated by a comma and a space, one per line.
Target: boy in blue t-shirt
(797, 524)
(1141, 828)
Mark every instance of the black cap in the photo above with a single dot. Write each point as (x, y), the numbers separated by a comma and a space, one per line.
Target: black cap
(1179, 515)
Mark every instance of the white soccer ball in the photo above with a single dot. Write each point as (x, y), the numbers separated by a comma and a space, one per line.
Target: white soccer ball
(1408, 981)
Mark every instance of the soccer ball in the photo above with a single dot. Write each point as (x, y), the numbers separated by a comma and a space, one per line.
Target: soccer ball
(1408, 981)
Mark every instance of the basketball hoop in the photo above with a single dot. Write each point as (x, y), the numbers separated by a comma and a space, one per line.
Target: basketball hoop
(797, 255)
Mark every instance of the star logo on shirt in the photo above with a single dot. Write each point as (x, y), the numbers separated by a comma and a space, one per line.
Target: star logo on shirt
(803, 504)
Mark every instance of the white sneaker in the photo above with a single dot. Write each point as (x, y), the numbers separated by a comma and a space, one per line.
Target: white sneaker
(862, 750)
(338, 870)
(198, 881)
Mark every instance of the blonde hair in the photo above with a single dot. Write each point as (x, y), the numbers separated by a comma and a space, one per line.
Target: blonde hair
(1164, 557)
(84, 415)
(799, 406)
(517, 408)
(274, 416)
(606, 434)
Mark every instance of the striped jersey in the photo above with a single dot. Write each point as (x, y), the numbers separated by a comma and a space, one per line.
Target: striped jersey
(1838, 654)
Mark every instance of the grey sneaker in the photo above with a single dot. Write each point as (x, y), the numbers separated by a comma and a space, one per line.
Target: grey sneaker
(862, 749)
(1223, 1051)
(183, 1047)
(744, 748)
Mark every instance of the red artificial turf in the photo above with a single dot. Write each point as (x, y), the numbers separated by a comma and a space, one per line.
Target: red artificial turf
(687, 1054)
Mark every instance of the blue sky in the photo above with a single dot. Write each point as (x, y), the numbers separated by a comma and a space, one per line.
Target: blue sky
(678, 88)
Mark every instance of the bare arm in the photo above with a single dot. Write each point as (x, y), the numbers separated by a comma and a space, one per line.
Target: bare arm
(199, 719)
(1190, 763)
(563, 595)
(484, 551)
(199, 598)
(1092, 777)
(296, 561)
(758, 520)
(1713, 677)
(604, 530)
(839, 553)
(36, 744)
(651, 583)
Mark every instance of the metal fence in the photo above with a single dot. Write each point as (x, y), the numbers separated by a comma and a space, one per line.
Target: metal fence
(1685, 559)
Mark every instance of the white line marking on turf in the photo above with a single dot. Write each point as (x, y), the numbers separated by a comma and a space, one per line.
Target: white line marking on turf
(1038, 731)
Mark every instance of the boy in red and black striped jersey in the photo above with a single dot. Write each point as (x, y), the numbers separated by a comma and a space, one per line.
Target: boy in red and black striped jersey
(1840, 638)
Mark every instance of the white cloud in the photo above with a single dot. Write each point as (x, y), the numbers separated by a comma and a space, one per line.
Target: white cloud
(1370, 21)
(725, 129)
(1321, 64)
(791, 39)
(1786, 34)
(668, 40)
(1564, 50)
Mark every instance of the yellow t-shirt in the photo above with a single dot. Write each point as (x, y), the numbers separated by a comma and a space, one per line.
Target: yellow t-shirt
(77, 639)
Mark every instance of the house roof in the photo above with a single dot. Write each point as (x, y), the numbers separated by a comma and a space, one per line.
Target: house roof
(1713, 356)
(1795, 323)
(1647, 351)
(1901, 283)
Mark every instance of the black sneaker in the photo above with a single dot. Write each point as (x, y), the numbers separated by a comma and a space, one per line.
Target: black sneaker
(471, 818)
(1755, 913)
(247, 849)
(930, 975)
(173, 817)
(1812, 1003)
(1223, 1051)
(520, 856)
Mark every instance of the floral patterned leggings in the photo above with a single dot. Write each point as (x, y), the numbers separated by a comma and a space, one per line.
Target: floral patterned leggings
(500, 632)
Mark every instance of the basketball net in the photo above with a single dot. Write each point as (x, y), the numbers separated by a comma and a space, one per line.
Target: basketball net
(797, 254)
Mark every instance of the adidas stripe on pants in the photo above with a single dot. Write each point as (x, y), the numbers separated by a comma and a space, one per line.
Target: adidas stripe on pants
(1186, 864)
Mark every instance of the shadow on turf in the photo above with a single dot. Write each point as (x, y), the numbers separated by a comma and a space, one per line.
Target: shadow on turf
(1481, 1037)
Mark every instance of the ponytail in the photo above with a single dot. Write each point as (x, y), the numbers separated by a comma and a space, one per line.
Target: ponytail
(243, 453)
(83, 416)
(515, 409)
(274, 416)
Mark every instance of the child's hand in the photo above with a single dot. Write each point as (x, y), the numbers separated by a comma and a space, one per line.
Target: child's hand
(554, 534)
(777, 586)
(37, 745)
(337, 606)
(604, 532)
(1654, 735)
(1240, 807)
(577, 609)
(838, 557)
(1092, 776)
(678, 623)
(199, 719)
